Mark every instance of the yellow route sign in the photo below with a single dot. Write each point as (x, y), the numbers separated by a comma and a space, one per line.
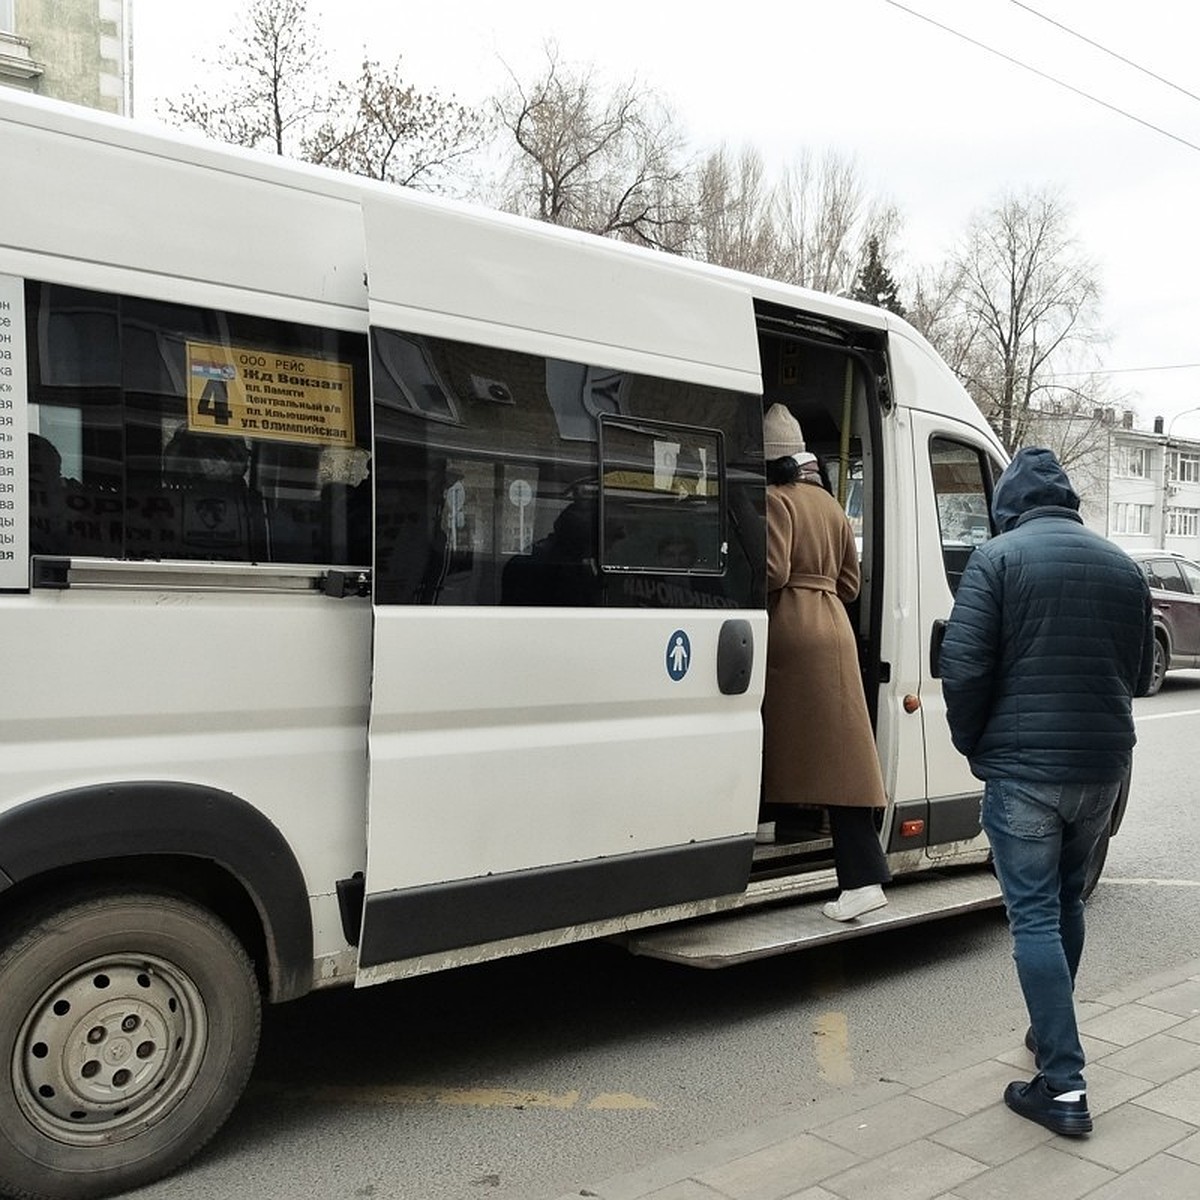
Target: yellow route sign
(260, 394)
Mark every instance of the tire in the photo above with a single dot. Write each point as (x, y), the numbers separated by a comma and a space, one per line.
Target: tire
(1159, 672)
(1095, 865)
(129, 1023)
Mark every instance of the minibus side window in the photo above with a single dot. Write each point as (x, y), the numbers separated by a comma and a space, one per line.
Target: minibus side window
(661, 504)
(962, 477)
(164, 431)
(490, 489)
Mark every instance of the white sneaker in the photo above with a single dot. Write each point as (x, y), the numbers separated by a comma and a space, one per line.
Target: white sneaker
(855, 902)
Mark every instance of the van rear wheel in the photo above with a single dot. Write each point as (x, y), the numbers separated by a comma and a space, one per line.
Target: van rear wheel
(129, 1023)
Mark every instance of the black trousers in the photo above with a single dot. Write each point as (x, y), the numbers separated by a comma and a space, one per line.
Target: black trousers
(857, 855)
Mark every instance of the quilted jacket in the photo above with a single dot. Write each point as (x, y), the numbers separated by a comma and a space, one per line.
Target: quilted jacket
(1050, 639)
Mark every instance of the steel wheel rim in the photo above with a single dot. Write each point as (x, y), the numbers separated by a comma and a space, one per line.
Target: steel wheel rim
(108, 1049)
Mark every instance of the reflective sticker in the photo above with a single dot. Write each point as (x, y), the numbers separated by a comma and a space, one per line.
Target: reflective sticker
(679, 655)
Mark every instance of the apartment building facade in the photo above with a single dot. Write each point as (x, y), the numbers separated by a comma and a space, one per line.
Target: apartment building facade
(1142, 487)
(74, 50)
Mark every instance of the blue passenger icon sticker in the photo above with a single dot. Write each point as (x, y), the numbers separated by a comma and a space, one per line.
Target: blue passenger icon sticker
(679, 655)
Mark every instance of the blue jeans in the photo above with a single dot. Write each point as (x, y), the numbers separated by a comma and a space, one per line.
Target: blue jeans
(1042, 836)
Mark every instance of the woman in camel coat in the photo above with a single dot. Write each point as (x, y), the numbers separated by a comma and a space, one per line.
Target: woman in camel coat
(818, 746)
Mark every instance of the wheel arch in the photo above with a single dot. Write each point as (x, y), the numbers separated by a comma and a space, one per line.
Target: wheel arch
(196, 841)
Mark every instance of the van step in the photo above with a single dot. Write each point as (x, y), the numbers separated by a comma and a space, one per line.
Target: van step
(726, 940)
(805, 847)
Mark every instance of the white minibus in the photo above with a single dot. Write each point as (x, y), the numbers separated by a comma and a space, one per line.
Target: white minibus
(382, 590)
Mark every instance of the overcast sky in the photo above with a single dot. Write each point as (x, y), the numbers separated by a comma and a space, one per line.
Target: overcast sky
(939, 126)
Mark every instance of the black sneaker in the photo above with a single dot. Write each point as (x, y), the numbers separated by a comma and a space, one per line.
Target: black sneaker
(1066, 1114)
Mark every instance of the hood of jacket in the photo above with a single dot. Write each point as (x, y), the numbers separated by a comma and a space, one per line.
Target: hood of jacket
(1034, 479)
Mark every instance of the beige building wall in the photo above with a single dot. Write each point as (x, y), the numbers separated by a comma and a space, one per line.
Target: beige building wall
(73, 50)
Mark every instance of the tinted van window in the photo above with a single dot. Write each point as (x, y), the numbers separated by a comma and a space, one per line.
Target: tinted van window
(491, 487)
(163, 431)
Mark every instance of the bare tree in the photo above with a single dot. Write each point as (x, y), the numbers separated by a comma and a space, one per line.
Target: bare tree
(613, 162)
(268, 90)
(609, 163)
(1027, 304)
(933, 310)
(382, 127)
(825, 221)
(1079, 430)
(264, 89)
(733, 222)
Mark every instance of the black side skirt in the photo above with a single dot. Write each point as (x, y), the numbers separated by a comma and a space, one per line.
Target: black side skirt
(469, 912)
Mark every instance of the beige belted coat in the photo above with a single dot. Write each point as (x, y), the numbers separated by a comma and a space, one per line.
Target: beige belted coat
(818, 746)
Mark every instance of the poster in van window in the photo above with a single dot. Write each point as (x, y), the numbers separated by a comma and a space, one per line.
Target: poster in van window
(14, 446)
(261, 394)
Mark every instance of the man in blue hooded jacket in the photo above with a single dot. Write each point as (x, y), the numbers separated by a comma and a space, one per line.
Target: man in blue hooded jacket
(1049, 641)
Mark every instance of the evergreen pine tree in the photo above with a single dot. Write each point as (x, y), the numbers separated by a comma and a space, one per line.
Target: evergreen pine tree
(875, 284)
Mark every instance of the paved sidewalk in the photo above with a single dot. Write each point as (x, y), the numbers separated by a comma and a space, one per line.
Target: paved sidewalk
(946, 1134)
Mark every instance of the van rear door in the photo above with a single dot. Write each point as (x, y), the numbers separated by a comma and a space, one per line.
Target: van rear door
(954, 465)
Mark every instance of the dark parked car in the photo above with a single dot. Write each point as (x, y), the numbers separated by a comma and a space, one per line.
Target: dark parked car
(1175, 589)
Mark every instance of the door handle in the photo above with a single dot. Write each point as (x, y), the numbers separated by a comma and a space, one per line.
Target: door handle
(735, 657)
(935, 648)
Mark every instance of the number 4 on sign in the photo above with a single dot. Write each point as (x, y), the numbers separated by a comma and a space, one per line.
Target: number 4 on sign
(214, 402)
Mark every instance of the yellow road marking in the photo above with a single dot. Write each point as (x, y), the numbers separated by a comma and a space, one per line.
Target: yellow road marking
(830, 1047)
(505, 1098)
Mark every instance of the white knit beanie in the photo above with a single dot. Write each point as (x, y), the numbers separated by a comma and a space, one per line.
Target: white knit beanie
(781, 433)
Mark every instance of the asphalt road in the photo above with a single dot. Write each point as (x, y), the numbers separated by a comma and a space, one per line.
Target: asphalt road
(525, 1079)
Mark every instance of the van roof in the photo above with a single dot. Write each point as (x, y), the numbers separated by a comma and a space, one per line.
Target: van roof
(174, 216)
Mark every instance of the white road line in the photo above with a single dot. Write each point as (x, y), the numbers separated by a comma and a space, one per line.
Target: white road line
(1189, 712)
(1180, 883)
